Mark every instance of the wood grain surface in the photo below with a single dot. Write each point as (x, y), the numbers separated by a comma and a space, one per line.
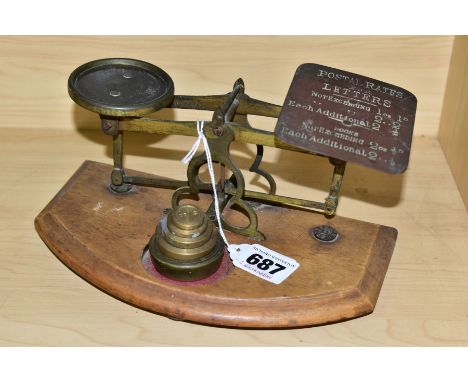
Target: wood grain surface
(423, 301)
(34, 70)
(101, 236)
(453, 132)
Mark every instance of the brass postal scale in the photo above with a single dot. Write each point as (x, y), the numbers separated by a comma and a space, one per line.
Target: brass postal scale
(166, 250)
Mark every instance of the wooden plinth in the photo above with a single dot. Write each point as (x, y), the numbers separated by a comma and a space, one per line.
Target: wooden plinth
(102, 236)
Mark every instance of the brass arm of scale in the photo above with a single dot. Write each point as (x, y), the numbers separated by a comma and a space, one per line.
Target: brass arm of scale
(154, 182)
(229, 190)
(247, 105)
(242, 133)
(277, 199)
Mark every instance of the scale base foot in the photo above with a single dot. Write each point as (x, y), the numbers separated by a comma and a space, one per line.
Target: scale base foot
(122, 188)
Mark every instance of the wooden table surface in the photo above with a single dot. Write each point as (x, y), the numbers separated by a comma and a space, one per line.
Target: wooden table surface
(424, 299)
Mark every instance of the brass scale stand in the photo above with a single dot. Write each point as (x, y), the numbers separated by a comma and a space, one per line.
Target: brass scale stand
(101, 231)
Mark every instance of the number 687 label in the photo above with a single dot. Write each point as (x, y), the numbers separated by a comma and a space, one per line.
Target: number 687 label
(262, 262)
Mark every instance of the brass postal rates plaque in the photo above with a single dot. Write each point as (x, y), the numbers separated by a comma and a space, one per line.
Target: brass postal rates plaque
(350, 117)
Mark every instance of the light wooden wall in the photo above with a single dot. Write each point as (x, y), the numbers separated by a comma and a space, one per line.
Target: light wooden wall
(453, 133)
(34, 70)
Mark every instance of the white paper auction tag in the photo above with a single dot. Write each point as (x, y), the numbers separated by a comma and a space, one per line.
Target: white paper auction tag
(262, 262)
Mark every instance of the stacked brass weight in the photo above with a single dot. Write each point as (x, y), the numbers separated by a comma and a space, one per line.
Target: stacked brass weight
(186, 245)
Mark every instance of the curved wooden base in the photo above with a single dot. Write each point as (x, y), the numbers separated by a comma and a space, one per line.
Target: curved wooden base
(101, 236)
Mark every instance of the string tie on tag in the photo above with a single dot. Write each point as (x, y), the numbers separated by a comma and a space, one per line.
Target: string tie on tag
(187, 158)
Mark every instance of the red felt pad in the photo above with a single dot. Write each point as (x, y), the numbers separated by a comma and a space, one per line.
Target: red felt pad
(225, 268)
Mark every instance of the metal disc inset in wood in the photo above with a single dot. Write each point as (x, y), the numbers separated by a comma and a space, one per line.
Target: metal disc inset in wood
(121, 87)
(102, 237)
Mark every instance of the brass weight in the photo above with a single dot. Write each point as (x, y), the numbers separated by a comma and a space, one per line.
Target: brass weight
(186, 245)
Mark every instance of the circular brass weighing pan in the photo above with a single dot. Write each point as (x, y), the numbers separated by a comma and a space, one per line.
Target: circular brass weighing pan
(121, 87)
